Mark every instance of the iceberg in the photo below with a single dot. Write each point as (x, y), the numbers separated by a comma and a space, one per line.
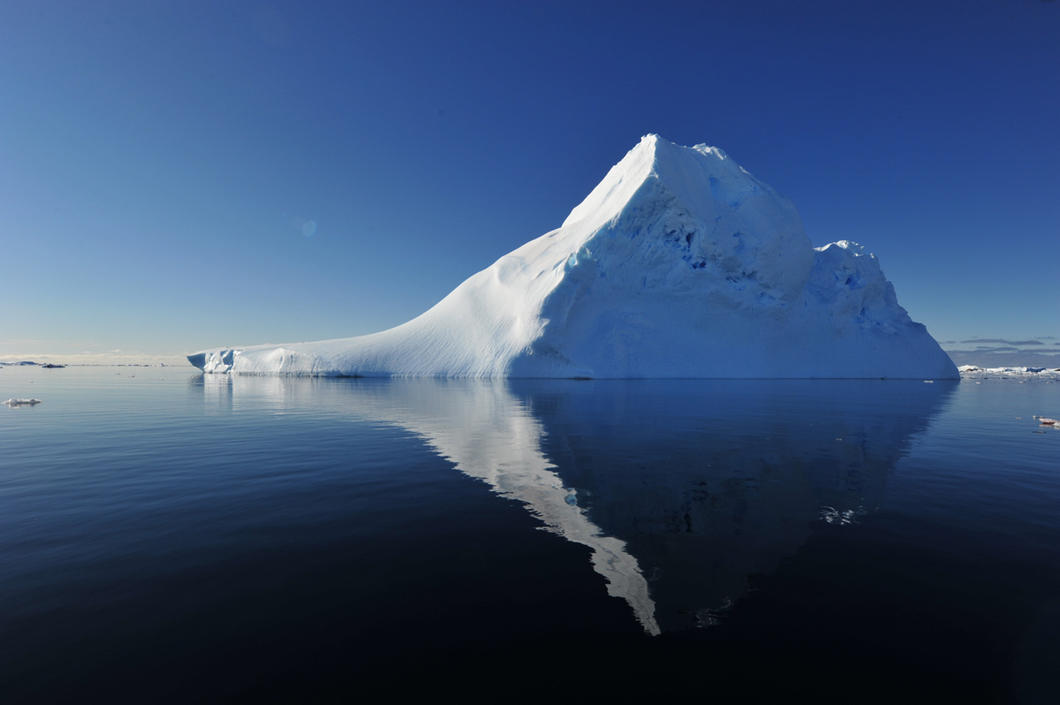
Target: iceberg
(679, 264)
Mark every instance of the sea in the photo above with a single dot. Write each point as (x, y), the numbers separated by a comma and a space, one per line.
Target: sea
(172, 537)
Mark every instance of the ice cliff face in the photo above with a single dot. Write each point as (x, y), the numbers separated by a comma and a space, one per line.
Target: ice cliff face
(680, 263)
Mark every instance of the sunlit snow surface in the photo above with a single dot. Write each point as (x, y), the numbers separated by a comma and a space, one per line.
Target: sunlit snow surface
(680, 263)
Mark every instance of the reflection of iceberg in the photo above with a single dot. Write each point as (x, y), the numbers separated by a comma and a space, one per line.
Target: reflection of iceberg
(216, 392)
(689, 486)
(710, 482)
(487, 434)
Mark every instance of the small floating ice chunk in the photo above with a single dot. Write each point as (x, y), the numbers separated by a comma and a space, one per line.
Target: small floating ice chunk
(21, 402)
(841, 517)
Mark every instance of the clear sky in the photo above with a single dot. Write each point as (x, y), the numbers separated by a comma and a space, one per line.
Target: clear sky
(177, 175)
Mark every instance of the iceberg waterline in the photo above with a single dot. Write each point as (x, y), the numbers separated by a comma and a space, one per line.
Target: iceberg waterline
(679, 263)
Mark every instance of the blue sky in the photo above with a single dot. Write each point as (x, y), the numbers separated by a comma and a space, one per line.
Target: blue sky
(177, 175)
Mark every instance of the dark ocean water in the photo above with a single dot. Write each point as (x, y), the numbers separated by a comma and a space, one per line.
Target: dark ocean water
(169, 537)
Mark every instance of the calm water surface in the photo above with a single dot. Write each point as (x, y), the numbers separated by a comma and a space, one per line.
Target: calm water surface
(170, 537)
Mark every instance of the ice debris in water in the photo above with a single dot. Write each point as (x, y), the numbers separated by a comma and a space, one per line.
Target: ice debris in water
(841, 517)
(21, 402)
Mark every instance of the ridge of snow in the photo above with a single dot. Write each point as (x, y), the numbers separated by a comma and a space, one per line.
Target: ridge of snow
(679, 263)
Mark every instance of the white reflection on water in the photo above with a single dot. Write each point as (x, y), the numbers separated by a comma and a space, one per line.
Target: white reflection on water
(486, 432)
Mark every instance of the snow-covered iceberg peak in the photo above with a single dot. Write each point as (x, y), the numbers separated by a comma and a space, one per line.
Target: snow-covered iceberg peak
(699, 199)
(679, 263)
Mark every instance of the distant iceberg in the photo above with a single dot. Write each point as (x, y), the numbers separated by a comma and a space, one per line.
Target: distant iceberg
(679, 263)
(1051, 374)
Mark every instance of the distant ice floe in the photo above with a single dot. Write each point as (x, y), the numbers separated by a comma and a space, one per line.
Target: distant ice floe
(1050, 374)
(21, 402)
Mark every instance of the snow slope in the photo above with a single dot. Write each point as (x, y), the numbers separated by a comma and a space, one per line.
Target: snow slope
(679, 263)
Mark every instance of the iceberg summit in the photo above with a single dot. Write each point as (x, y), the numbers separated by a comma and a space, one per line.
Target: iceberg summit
(680, 263)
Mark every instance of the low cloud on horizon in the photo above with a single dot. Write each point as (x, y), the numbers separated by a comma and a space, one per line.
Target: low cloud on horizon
(1003, 341)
